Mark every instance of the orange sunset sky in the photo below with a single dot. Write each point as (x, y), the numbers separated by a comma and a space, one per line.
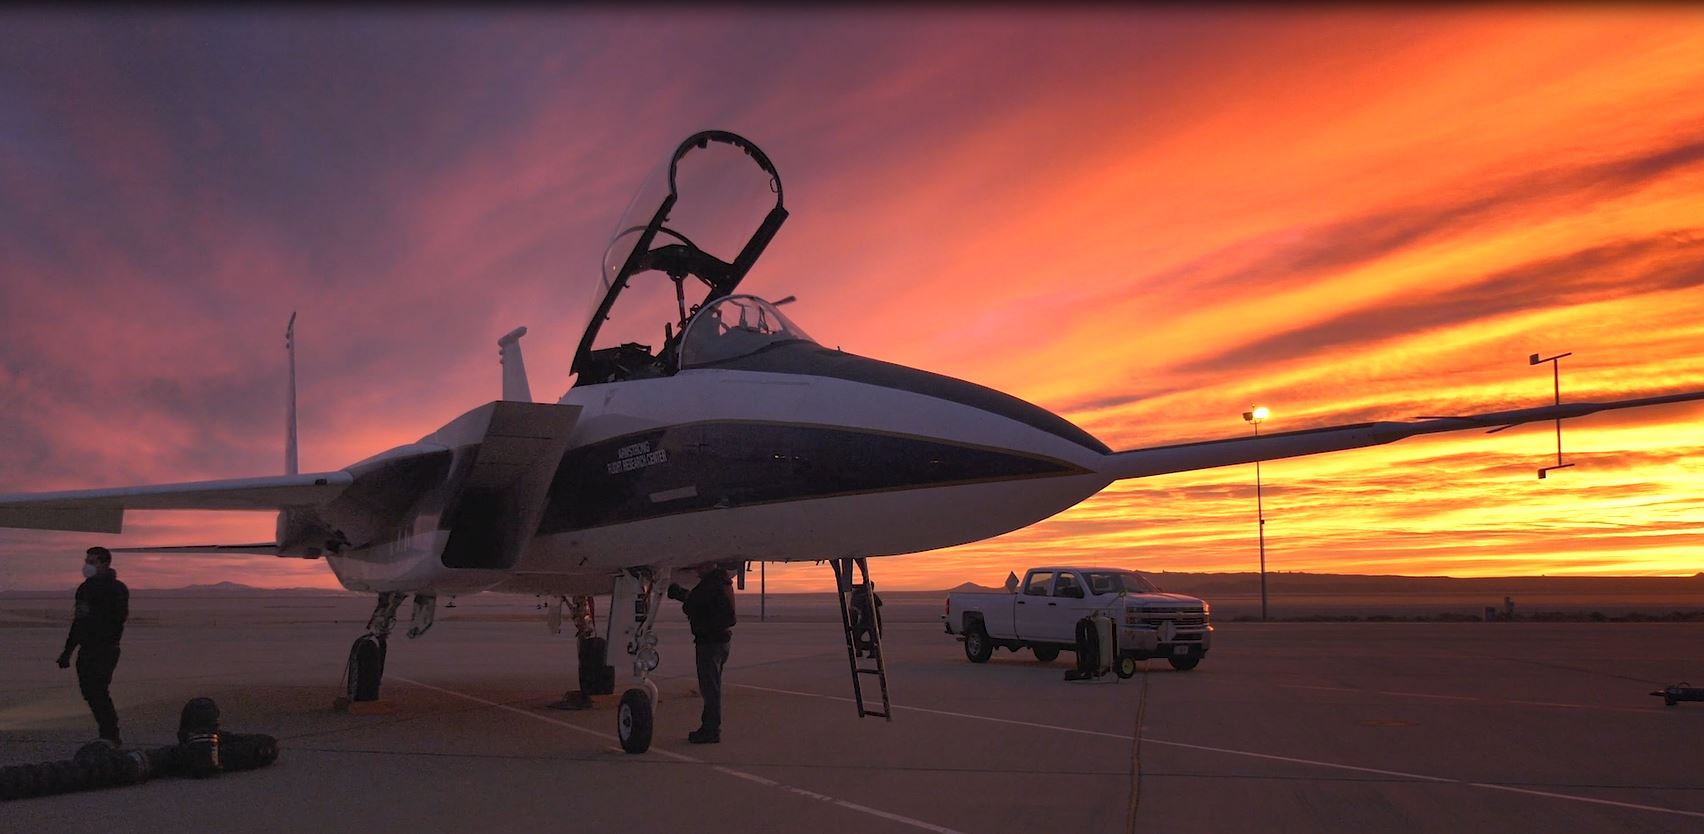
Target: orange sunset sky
(1145, 220)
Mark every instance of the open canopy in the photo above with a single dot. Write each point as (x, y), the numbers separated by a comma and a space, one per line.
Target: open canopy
(689, 237)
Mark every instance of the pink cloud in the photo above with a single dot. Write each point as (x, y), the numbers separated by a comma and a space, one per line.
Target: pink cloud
(1146, 220)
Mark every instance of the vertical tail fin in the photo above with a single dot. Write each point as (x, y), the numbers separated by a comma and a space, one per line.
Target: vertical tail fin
(299, 531)
(290, 402)
(514, 370)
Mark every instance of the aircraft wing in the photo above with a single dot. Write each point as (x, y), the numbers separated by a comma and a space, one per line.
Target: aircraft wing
(1184, 457)
(102, 510)
(257, 549)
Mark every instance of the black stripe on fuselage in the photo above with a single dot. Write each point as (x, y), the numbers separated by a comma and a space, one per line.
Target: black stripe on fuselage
(713, 465)
(811, 359)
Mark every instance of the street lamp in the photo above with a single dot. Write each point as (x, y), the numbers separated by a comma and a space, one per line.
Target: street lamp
(1254, 416)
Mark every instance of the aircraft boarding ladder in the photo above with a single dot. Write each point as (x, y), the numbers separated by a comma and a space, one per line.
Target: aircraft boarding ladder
(858, 600)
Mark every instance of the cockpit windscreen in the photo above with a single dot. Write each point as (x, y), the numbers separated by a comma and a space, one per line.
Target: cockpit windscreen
(736, 326)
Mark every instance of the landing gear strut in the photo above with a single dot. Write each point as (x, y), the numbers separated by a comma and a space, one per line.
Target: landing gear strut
(639, 588)
(597, 677)
(366, 667)
(425, 610)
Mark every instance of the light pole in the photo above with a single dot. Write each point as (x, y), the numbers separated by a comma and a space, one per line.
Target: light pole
(1255, 415)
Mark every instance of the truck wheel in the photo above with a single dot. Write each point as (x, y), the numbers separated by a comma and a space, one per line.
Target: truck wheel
(1125, 667)
(1184, 664)
(1046, 654)
(977, 646)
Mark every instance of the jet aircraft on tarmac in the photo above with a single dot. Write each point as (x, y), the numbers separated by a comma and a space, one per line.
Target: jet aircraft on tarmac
(739, 439)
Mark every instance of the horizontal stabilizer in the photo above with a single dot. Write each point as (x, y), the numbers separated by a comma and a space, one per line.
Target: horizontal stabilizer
(102, 510)
(261, 549)
(1186, 457)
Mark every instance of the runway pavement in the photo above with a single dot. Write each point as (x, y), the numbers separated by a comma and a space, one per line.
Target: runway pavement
(1285, 727)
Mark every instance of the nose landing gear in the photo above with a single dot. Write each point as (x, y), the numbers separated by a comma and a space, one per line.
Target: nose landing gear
(640, 589)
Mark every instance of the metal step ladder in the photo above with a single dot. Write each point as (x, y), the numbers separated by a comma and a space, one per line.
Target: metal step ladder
(856, 596)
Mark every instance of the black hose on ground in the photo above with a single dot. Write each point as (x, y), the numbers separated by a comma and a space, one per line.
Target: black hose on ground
(203, 750)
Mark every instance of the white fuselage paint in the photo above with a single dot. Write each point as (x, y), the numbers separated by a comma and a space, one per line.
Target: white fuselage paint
(882, 523)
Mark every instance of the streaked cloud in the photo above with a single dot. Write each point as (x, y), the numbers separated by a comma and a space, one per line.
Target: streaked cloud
(1144, 219)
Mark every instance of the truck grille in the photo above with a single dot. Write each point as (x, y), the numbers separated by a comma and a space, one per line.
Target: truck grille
(1182, 621)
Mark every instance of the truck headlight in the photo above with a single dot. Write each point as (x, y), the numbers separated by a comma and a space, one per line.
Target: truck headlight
(1132, 616)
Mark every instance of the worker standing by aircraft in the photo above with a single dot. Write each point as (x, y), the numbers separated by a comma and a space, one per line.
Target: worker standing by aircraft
(710, 611)
(103, 604)
(864, 620)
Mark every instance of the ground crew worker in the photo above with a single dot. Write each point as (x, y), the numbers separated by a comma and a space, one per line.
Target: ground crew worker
(103, 604)
(710, 611)
(864, 620)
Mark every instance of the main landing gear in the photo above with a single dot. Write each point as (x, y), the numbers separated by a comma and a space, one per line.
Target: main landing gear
(366, 667)
(597, 677)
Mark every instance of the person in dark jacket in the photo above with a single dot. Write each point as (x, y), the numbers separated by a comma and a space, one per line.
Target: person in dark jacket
(710, 611)
(103, 604)
(864, 620)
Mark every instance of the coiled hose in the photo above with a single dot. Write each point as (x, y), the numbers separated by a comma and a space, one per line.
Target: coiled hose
(202, 750)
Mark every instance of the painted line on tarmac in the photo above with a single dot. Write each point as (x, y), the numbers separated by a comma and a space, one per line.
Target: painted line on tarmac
(681, 757)
(1253, 755)
(1475, 699)
(1592, 800)
(1416, 776)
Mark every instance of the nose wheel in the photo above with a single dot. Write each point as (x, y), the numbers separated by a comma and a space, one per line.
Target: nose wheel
(633, 721)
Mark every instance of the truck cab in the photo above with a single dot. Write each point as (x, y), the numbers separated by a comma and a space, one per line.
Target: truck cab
(1041, 614)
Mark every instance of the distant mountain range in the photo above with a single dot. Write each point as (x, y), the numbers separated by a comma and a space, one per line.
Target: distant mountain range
(1221, 584)
(217, 589)
(1214, 584)
(239, 588)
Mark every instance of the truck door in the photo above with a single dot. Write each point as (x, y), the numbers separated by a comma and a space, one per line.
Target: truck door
(1070, 605)
(1031, 612)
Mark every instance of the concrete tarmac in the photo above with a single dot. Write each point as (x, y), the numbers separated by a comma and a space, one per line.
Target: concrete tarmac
(1284, 727)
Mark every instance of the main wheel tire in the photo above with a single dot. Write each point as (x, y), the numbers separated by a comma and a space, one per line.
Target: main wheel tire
(977, 646)
(1125, 666)
(1046, 654)
(366, 668)
(633, 721)
(1184, 664)
(596, 676)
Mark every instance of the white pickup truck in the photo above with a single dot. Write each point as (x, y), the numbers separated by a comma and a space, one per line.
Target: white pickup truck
(1042, 614)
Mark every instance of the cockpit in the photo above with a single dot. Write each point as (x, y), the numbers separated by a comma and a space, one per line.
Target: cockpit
(733, 328)
(678, 253)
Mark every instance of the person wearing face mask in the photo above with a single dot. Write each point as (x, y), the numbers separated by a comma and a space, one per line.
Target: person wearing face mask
(103, 604)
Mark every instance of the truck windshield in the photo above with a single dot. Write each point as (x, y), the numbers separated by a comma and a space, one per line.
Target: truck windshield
(1111, 582)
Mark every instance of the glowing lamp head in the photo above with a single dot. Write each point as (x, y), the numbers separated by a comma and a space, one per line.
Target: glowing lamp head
(1257, 414)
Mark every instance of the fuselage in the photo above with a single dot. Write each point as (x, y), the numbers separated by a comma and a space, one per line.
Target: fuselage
(798, 453)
